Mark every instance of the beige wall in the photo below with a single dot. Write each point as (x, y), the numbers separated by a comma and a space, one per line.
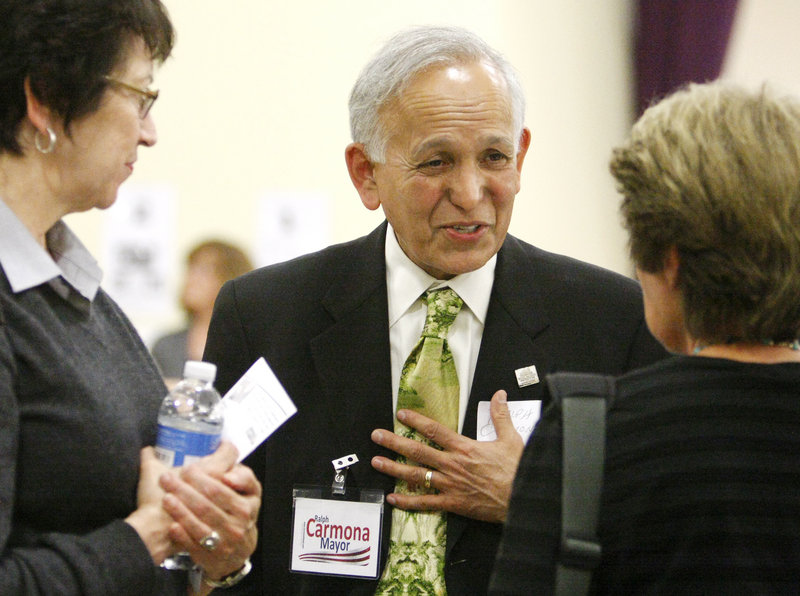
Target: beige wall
(764, 45)
(254, 99)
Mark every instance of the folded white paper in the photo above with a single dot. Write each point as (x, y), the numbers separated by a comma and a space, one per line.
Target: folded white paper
(254, 408)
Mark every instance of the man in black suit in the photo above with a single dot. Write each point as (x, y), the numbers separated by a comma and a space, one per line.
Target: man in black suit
(439, 143)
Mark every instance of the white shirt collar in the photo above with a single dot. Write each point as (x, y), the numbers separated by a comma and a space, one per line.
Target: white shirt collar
(406, 282)
(27, 264)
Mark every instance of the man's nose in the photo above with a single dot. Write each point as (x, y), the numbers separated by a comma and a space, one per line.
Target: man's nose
(467, 186)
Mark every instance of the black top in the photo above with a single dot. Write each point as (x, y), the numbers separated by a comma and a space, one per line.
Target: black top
(701, 490)
(79, 398)
(170, 353)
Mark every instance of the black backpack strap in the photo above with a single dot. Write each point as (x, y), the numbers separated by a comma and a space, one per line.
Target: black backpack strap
(583, 399)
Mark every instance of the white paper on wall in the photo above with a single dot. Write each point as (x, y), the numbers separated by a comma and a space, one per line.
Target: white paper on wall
(139, 240)
(291, 224)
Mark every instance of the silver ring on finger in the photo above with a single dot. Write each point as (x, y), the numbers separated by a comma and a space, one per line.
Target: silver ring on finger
(211, 541)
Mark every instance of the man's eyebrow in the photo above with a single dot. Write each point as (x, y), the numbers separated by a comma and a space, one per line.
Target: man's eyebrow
(499, 141)
(444, 143)
(432, 144)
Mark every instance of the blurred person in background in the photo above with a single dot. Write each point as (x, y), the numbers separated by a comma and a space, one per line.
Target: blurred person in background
(85, 508)
(209, 264)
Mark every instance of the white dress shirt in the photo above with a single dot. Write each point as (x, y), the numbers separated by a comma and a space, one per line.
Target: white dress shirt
(405, 283)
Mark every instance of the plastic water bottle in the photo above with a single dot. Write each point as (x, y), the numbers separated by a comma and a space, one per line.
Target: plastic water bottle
(189, 427)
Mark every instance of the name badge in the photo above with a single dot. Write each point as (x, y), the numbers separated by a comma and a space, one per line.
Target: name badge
(524, 414)
(337, 537)
(337, 530)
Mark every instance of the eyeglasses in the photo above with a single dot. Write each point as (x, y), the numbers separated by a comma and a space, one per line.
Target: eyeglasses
(147, 97)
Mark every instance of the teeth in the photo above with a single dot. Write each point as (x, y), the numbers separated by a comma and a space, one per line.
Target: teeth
(466, 229)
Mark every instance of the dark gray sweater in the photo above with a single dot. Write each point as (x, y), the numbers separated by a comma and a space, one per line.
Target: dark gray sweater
(79, 397)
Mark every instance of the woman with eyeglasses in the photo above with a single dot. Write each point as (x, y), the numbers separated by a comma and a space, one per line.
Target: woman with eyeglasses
(85, 507)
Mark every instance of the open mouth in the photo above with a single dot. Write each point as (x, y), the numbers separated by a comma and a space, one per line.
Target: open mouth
(466, 229)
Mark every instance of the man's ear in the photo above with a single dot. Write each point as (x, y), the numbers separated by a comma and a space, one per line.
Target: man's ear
(362, 174)
(524, 143)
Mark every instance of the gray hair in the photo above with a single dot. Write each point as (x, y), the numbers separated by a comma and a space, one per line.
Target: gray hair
(714, 171)
(402, 58)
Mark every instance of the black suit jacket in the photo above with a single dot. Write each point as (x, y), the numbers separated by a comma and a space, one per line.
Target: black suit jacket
(321, 322)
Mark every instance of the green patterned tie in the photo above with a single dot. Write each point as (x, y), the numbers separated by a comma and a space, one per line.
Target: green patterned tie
(429, 385)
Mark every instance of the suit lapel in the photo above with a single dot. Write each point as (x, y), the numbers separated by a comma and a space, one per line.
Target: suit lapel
(516, 316)
(357, 390)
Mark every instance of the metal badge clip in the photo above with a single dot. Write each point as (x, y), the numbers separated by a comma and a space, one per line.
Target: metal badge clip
(341, 466)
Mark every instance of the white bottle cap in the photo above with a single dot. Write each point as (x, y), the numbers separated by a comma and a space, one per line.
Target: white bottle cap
(204, 371)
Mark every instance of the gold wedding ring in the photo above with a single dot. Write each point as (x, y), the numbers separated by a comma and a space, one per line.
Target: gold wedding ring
(428, 477)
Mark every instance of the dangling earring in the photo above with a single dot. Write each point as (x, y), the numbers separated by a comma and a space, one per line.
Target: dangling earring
(52, 141)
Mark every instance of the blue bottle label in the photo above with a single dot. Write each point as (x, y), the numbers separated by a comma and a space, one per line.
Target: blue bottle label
(176, 447)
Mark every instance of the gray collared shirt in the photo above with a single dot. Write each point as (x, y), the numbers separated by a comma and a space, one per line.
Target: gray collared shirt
(67, 267)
